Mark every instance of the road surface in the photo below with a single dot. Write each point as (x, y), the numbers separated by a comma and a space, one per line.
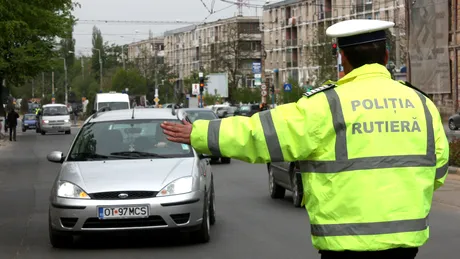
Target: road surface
(249, 224)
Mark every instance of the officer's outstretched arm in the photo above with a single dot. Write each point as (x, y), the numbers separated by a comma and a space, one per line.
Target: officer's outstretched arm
(442, 151)
(281, 134)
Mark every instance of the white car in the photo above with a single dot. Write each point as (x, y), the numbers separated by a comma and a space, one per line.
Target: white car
(122, 174)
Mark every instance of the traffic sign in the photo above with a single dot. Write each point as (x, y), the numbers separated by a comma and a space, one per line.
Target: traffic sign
(256, 68)
(156, 100)
(287, 87)
(264, 93)
(200, 74)
(263, 87)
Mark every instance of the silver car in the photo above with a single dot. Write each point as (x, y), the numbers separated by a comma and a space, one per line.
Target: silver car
(121, 173)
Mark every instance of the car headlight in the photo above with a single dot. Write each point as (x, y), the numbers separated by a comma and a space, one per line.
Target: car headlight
(179, 186)
(70, 190)
(66, 120)
(45, 121)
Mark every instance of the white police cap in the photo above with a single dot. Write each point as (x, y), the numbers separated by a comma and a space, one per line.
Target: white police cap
(358, 31)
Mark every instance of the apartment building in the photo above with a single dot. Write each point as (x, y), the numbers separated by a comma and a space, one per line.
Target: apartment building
(208, 46)
(147, 50)
(294, 33)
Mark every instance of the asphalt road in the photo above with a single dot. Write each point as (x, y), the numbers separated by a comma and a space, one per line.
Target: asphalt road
(249, 224)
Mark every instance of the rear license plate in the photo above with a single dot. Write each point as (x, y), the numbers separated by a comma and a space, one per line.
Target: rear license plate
(123, 212)
(32, 126)
(56, 127)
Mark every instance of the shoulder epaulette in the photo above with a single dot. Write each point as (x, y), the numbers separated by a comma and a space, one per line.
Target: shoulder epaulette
(319, 90)
(413, 87)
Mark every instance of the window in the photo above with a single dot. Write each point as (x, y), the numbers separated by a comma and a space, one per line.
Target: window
(29, 117)
(115, 105)
(201, 115)
(55, 111)
(132, 139)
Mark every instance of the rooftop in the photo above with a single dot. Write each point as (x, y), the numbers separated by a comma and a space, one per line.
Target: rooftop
(213, 23)
(280, 3)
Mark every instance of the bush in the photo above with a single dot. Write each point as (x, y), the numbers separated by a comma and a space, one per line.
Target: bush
(454, 156)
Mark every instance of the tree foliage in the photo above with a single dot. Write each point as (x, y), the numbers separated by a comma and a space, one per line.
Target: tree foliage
(28, 29)
(130, 79)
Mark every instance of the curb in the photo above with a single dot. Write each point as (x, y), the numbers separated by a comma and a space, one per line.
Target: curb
(454, 170)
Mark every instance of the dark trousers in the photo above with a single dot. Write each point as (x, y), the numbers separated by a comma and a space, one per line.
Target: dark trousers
(12, 132)
(400, 253)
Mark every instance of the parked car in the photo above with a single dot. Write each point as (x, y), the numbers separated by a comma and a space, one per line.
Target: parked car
(224, 112)
(29, 121)
(285, 176)
(194, 114)
(454, 121)
(122, 174)
(247, 110)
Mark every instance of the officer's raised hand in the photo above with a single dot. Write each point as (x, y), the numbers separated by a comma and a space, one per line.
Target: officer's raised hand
(177, 132)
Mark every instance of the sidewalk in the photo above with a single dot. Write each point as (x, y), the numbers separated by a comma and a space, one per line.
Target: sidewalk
(449, 194)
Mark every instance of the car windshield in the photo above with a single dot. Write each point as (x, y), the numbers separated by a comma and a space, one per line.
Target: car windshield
(133, 139)
(201, 115)
(55, 111)
(245, 108)
(115, 105)
(28, 117)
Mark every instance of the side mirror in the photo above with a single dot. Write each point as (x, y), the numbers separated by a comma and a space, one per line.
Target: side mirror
(56, 157)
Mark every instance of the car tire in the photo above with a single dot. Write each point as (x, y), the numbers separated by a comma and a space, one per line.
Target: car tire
(452, 125)
(203, 235)
(212, 208)
(68, 132)
(37, 130)
(297, 190)
(214, 160)
(59, 239)
(42, 132)
(276, 191)
(225, 160)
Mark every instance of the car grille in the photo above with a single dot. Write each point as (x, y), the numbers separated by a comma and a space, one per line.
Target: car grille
(131, 195)
(151, 221)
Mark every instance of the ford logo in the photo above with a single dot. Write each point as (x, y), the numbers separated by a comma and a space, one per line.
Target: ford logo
(123, 195)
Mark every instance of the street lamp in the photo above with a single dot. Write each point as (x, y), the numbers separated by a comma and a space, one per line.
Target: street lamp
(65, 81)
(100, 66)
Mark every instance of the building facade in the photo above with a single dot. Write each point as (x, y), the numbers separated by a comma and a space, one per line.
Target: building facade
(294, 35)
(231, 44)
(147, 50)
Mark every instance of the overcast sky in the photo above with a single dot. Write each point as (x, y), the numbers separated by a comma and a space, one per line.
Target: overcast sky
(145, 10)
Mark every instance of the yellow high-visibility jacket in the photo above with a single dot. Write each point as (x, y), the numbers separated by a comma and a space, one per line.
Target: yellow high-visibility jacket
(372, 151)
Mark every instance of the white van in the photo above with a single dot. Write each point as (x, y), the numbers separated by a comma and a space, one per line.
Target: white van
(113, 100)
(54, 118)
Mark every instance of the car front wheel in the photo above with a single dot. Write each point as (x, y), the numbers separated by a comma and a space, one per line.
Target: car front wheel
(59, 239)
(225, 160)
(452, 125)
(297, 190)
(203, 235)
(276, 191)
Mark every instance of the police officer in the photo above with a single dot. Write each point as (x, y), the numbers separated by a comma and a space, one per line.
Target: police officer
(371, 152)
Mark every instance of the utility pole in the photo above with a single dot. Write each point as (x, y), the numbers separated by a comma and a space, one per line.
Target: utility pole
(157, 101)
(33, 88)
(262, 59)
(397, 32)
(43, 84)
(100, 67)
(66, 94)
(123, 56)
(82, 68)
(52, 87)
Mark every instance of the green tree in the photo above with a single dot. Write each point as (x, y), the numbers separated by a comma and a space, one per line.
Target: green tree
(98, 44)
(130, 79)
(28, 29)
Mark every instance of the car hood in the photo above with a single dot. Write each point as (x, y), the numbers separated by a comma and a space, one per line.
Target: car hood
(126, 175)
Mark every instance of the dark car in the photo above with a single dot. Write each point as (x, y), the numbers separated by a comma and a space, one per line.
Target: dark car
(284, 176)
(194, 114)
(247, 110)
(29, 121)
(454, 121)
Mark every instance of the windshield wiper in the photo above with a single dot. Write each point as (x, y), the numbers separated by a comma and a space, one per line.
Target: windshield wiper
(92, 156)
(137, 154)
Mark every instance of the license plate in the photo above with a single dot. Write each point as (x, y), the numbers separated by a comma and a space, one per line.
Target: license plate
(123, 212)
(56, 127)
(32, 127)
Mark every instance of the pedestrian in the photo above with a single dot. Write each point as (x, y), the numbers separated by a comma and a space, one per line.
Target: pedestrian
(12, 118)
(371, 150)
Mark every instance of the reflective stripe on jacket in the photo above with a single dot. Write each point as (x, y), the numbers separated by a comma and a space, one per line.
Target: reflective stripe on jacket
(372, 151)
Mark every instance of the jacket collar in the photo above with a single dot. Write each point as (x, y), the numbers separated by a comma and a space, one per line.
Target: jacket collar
(366, 71)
